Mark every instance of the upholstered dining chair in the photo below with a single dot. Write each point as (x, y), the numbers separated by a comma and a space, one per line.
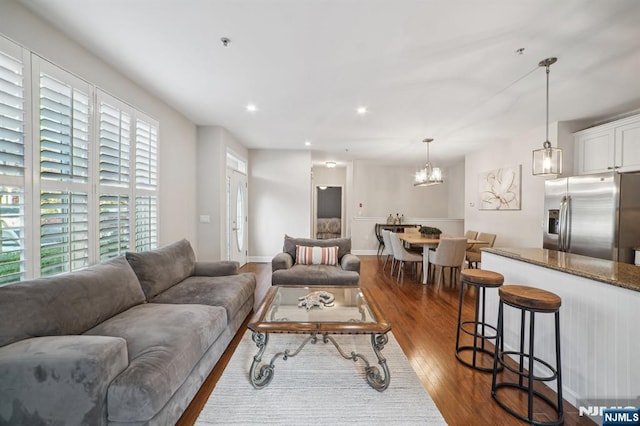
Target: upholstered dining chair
(449, 254)
(387, 250)
(470, 235)
(403, 255)
(473, 254)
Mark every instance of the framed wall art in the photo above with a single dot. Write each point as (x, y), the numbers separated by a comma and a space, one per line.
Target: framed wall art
(499, 189)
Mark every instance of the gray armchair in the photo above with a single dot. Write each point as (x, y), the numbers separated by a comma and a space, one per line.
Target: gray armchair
(285, 270)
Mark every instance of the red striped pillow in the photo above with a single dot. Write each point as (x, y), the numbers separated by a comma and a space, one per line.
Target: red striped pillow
(316, 255)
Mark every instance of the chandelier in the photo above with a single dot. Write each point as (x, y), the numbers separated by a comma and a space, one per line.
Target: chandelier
(429, 175)
(548, 160)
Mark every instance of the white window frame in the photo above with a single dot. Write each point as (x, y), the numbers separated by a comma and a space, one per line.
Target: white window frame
(32, 183)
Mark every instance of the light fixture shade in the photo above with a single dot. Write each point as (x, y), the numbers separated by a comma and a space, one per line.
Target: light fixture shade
(547, 161)
(330, 164)
(429, 175)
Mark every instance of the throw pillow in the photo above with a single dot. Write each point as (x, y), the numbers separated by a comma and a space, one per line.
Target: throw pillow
(317, 255)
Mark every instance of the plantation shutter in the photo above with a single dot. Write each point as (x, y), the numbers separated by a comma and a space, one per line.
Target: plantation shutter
(65, 200)
(115, 176)
(146, 187)
(146, 223)
(64, 232)
(115, 144)
(64, 131)
(146, 154)
(12, 162)
(11, 116)
(114, 226)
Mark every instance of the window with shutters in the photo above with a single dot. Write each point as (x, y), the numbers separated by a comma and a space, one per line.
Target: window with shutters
(12, 162)
(91, 192)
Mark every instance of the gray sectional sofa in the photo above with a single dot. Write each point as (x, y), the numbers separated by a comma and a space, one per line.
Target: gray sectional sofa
(285, 270)
(126, 342)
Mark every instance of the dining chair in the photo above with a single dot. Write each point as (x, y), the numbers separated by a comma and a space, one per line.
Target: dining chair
(402, 255)
(387, 250)
(470, 235)
(473, 254)
(449, 254)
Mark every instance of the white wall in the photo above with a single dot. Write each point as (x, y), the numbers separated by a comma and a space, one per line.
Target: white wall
(213, 143)
(385, 190)
(177, 144)
(279, 200)
(455, 187)
(515, 228)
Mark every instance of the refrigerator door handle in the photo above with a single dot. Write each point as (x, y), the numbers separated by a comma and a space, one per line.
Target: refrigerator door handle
(561, 227)
(567, 222)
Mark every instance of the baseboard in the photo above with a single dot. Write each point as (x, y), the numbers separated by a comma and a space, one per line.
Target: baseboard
(259, 259)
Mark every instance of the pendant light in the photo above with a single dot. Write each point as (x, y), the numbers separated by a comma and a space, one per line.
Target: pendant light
(429, 175)
(548, 160)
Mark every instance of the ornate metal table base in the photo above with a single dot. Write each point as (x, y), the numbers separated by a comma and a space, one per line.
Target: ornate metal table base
(265, 373)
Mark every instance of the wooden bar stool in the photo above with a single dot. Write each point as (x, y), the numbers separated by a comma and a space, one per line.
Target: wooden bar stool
(480, 279)
(531, 300)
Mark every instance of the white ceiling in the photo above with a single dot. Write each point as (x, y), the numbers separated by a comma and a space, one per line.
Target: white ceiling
(446, 69)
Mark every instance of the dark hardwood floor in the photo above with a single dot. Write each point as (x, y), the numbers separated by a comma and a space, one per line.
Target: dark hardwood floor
(423, 319)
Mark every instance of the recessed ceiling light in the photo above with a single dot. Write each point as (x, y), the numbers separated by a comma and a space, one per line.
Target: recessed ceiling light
(330, 164)
(307, 143)
(361, 110)
(252, 108)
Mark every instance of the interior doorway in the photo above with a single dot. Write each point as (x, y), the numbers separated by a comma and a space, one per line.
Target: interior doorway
(237, 218)
(329, 212)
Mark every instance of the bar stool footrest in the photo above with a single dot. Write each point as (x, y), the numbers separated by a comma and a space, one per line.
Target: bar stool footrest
(471, 364)
(476, 333)
(527, 375)
(544, 398)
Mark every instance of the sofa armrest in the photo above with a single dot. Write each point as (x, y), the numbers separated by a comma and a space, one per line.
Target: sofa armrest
(281, 261)
(350, 262)
(216, 269)
(59, 379)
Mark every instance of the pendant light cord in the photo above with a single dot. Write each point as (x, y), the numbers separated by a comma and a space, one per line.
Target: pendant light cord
(547, 138)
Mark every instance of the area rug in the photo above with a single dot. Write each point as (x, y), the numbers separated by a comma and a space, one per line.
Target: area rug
(318, 387)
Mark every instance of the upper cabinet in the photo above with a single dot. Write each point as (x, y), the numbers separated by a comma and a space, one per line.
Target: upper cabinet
(611, 146)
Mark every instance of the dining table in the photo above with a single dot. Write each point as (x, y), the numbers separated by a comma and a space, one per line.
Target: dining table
(415, 238)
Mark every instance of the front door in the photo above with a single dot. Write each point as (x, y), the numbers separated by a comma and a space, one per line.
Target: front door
(237, 236)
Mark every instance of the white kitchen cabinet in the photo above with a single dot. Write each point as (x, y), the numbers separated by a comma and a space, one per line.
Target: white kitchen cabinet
(611, 146)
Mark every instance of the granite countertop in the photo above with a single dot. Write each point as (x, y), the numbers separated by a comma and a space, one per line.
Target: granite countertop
(615, 273)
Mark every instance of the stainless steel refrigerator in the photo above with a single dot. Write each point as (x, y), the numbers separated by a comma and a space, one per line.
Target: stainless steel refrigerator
(594, 215)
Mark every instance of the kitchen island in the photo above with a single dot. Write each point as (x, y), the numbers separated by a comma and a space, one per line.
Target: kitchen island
(599, 319)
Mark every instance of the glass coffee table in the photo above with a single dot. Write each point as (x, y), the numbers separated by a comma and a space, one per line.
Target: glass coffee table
(319, 312)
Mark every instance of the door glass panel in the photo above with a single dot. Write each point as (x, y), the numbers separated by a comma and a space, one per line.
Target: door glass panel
(239, 218)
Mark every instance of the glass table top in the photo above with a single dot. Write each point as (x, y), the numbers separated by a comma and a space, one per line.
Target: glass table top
(319, 305)
(319, 309)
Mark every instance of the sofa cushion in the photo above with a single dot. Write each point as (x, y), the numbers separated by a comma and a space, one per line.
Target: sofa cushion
(164, 343)
(314, 275)
(162, 268)
(317, 255)
(68, 303)
(230, 292)
(59, 380)
(290, 243)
